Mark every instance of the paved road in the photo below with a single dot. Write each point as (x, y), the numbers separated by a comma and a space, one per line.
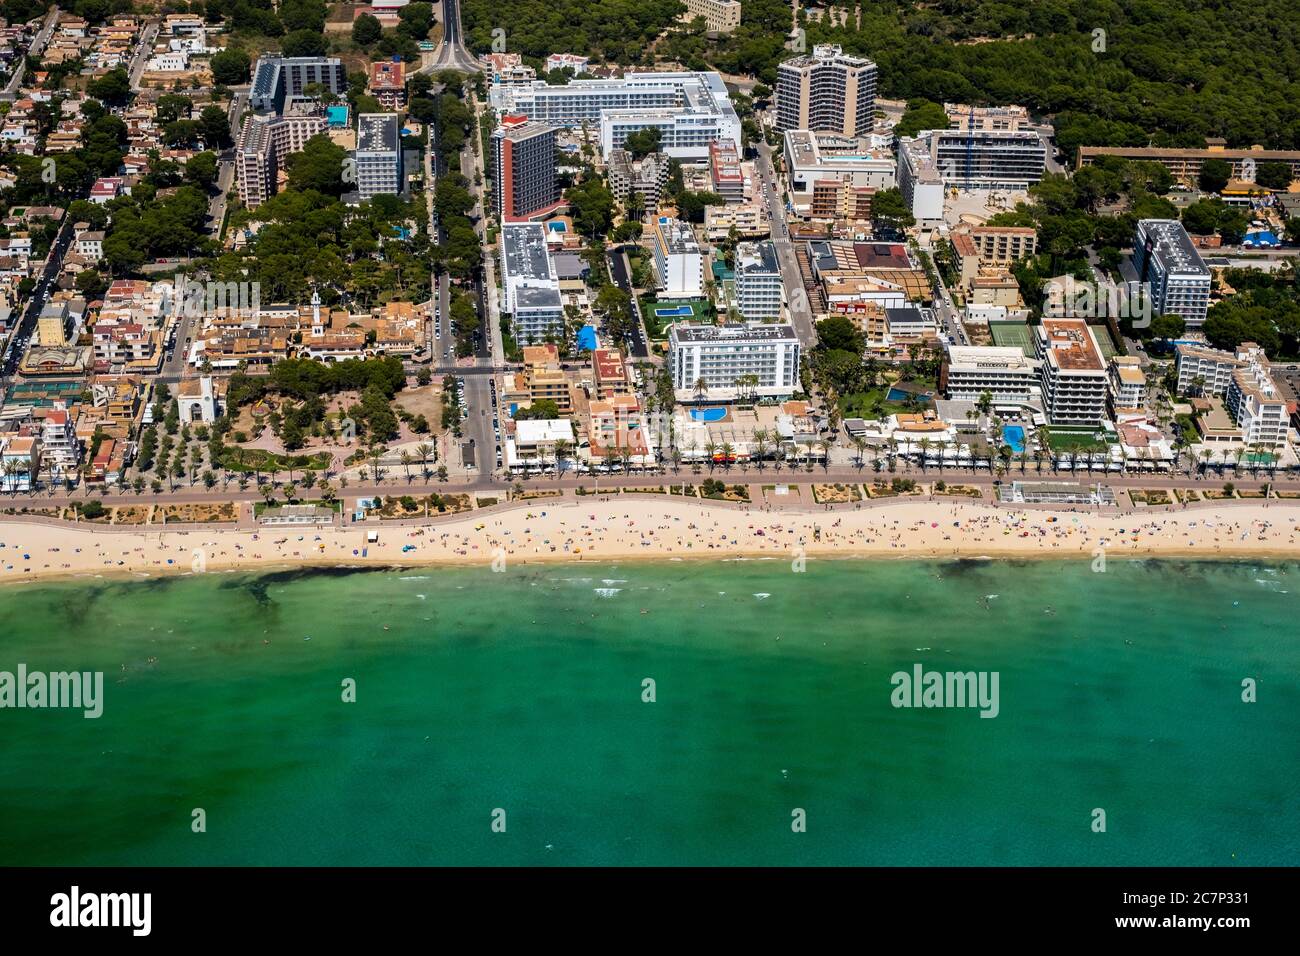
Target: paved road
(226, 163)
(142, 52)
(452, 53)
(45, 284)
(36, 48)
(795, 296)
(768, 475)
(621, 270)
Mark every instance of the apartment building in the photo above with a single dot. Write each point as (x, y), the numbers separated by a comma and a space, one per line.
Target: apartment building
(256, 163)
(827, 91)
(530, 290)
(1163, 255)
(507, 69)
(978, 159)
(908, 324)
(89, 244)
(747, 219)
(725, 173)
(610, 373)
(617, 428)
(760, 293)
(542, 378)
(128, 346)
(1072, 375)
(1005, 373)
(524, 181)
(992, 119)
(20, 462)
(646, 177)
(719, 362)
(690, 110)
(919, 180)
(1204, 371)
(1002, 245)
(1257, 406)
(277, 79)
(1185, 164)
(567, 61)
(838, 201)
(60, 447)
(720, 16)
(679, 262)
(388, 83)
(378, 155)
(266, 140)
(816, 162)
(1245, 382)
(1128, 385)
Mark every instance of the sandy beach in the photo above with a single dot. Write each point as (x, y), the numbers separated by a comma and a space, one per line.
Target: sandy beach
(572, 530)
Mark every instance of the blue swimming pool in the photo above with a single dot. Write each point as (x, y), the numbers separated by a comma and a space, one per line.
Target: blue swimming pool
(901, 395)
(708, 414)
(674, 311)
(1014, 435)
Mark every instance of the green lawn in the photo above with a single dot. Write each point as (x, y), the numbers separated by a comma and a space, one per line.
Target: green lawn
(1062, 440)
(655, 325)
(872, 404)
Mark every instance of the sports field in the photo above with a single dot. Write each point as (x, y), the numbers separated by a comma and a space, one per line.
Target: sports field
(1012, 335)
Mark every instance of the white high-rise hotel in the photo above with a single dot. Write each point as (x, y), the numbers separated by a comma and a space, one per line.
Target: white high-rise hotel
(378, 155)
(1164, 256)
(759, 290)
(690, 110)
(679, 263)
(721, 356)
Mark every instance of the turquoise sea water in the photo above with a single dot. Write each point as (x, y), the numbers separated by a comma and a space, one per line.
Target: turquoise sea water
(523, 691)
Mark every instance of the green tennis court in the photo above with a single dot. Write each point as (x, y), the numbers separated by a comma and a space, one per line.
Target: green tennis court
(1012, 335)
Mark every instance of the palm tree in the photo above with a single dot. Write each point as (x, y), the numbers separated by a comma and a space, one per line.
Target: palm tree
(375, 458)
(859, 444)
(924, 445)
(710, 449)
(562, 451)
(11, 471)
(760, 447)
(424, 450)
(405, 459)
(824, 447)
(701, 388)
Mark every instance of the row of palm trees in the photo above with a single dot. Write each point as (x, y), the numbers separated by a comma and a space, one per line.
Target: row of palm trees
(245, 463)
